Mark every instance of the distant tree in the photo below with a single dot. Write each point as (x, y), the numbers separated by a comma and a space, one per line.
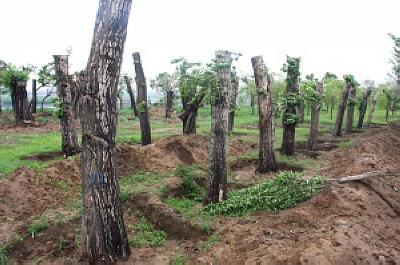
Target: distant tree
(394, 95)
(352, 102)
(3, 66)
(316, 98)
(248, 91)
(370, 85)
(349, 83)
(13, 80)
(47, 79)
(291, 99)
(165, 82)
(128, 83)
(104, 238)
(233, 108)
(333, 89)
(266, 112)
(142, 100)
(329, 75)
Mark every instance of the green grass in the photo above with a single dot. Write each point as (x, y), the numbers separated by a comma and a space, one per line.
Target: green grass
(36, 226)
(144, 233)
(21, 145)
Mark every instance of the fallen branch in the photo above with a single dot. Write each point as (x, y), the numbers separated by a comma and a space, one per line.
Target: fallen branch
(381, 173)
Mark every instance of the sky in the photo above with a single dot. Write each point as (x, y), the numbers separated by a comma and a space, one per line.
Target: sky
(342, 36)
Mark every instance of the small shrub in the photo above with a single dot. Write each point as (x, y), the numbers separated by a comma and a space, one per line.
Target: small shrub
(179, 260)
(38, 225)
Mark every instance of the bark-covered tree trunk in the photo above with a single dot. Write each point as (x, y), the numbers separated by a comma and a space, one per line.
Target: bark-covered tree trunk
(388, 107)
(121, 101)
(337, 131)
(266, 154)
(301, 108)
(289, 115)
(315, 110)
(1, 105)
(363, 108)
(142, 100)
(131, 96)
(69, 143)
(191, 104)
(104, 238)
(34, 96)
(217, 179)
(332, 106)
(20, 99)
(350, 110)
(232, 103)
(168, 105)
(371, 112)
(253, 102)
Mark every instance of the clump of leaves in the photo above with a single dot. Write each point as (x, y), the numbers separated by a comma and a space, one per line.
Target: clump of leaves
(146, 234)
(38, 225)
(286, 190)
(192, 190)
(58, 107)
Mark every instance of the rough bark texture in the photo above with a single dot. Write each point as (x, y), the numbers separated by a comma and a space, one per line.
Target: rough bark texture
(301, 109)
(69, 143)
(332, 106)
(142, 100)
(371, 112)
(121, 101)
(266, 154)
(131, 96)
(289, 129)
(20, 100)
(34, 96)
(232, 103)
(337, 131)
(1, 105)
(363, 108)
(217, 179)
(315, 110)
(191, 105)
(104, 238)
(168, 104)
(350, 110)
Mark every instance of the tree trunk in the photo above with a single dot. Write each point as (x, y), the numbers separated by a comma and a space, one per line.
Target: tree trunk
(253, 102)
(217, 179)
(191, 104)
(121, 101)
(18, 92)
(34, 96)
(288, 120)
(301, 109)
(341, 109)
(104, 238)
(315, 110)
(168, 105)
(350, 110)
(363, 109)
(371, 112)
(142, 100)
(1, 105)
(232, 103)
(131, 96)
(332, 106)
(388, 107)
(68, 131)
(266, 154)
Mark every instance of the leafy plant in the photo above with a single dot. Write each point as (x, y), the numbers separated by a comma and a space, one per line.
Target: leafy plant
(179, 260)
(146, 234)
(38, 225)
(286, 190)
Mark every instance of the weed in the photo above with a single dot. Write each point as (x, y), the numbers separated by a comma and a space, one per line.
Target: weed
(63, 185)
(146, 234)
(60, 243)
(38, 225)
(179, 259)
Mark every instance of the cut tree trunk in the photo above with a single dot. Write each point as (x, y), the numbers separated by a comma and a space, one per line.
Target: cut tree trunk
(131, 96)
(350, 110)
(104, 238)
(301, 109)
(1, 105)
(388, 107)
(315, 110)
(266, 154)
(363, 109)
(289, 128)
(191, 104)
(232, 103)
(34, 96)
(217, 179)
(142, 100)
(20, 99)
(332, 106)
(168, 105)
(69, 143)
(371, 112)
(253, 102)
(341, 109)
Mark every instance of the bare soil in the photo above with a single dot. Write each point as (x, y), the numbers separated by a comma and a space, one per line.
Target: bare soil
(353, 223)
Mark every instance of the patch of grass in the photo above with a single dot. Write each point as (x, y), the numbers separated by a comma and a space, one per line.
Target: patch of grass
(179, 259)
(210, 242)
(37, 226)
(146, 234)
(190, 187)
(140, 181)
(284, 191)
(5, 248)
(345, 144)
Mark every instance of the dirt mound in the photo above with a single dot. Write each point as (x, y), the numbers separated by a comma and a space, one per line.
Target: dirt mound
(354, 223)
(27, 192)
(29, 128)
(168, 152)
